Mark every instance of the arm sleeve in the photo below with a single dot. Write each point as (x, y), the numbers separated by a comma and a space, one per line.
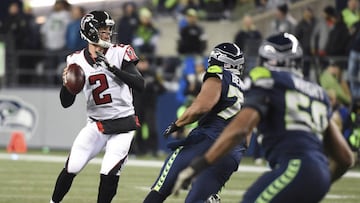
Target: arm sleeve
(130, 75)
(66, 98)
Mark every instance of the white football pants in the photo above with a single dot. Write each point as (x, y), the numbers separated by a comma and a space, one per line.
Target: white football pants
(89, 143)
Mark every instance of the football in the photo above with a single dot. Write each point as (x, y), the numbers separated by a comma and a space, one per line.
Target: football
(75, 79)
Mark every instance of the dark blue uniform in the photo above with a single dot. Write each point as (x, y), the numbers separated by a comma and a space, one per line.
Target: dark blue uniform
(201, 138)
(294, 114)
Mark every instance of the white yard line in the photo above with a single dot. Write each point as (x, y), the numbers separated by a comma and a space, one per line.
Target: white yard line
(134, 162)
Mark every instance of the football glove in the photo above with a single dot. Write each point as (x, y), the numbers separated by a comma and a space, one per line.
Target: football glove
(170, 129)
(186, 176)
(102, 61)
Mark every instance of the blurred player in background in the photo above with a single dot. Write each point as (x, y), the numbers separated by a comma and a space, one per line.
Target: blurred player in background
(220, 98)
(294, 117)
(110, 74)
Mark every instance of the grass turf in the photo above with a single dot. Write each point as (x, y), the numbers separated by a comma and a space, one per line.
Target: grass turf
(33, 181)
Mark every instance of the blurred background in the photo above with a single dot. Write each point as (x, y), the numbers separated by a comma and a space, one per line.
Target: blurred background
(172, 39)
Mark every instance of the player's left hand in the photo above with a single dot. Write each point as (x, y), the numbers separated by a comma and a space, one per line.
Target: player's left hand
(183, 180)
(170, 129)
(101, 60)
(186, 176)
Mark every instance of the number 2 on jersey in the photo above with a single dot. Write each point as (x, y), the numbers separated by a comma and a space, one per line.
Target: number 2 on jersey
(98, 98)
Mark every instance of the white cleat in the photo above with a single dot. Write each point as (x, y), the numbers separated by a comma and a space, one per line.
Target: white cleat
(215, 198)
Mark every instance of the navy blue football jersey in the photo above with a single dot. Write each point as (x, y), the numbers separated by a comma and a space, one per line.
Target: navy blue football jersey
(227, 107)
(294, 112)
(200, 139)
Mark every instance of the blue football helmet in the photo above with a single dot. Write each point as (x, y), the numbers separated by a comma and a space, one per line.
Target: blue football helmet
(229, 56)
(281, 51)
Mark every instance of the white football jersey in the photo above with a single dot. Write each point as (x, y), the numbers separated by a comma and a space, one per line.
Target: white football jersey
(106, 95)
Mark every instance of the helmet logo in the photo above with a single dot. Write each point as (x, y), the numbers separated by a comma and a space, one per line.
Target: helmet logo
(87, 18)
(217, 54)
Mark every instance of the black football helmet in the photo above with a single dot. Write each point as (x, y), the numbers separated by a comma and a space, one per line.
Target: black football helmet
(281, 51)
(229, 56)
(90, 24)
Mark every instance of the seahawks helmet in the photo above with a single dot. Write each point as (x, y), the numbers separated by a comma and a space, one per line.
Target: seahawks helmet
(281, 51)
(229, 56)
(90, 24)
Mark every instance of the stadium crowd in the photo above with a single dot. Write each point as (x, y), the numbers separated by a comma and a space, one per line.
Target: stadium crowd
(330, 40)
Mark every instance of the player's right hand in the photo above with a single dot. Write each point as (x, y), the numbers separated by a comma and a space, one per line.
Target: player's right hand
(64, 75)
(170, 129)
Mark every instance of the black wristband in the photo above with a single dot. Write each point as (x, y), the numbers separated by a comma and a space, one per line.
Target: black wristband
(199, 164)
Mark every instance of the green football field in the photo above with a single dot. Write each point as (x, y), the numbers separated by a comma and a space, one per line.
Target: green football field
(32, 180)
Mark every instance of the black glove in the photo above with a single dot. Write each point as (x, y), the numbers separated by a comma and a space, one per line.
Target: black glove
(101, 60)
(170, 129)
(186, 176)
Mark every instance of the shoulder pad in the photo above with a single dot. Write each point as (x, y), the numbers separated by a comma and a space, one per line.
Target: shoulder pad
(259, 73)
(71, 58)
(214, 69)
(261, 77)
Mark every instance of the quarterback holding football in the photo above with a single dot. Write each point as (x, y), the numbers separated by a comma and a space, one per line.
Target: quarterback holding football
(110, 75)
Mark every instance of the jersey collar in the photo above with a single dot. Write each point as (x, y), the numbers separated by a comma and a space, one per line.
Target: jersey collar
(89, 58)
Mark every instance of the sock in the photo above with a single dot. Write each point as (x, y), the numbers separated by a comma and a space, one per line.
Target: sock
(154, 197)
(62, 186)
(107, 188)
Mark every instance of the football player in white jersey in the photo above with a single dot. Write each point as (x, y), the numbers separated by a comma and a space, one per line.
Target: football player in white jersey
(110, 75)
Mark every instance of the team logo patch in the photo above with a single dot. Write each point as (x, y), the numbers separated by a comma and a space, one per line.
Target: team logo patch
(131, 53)
(17, 115)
